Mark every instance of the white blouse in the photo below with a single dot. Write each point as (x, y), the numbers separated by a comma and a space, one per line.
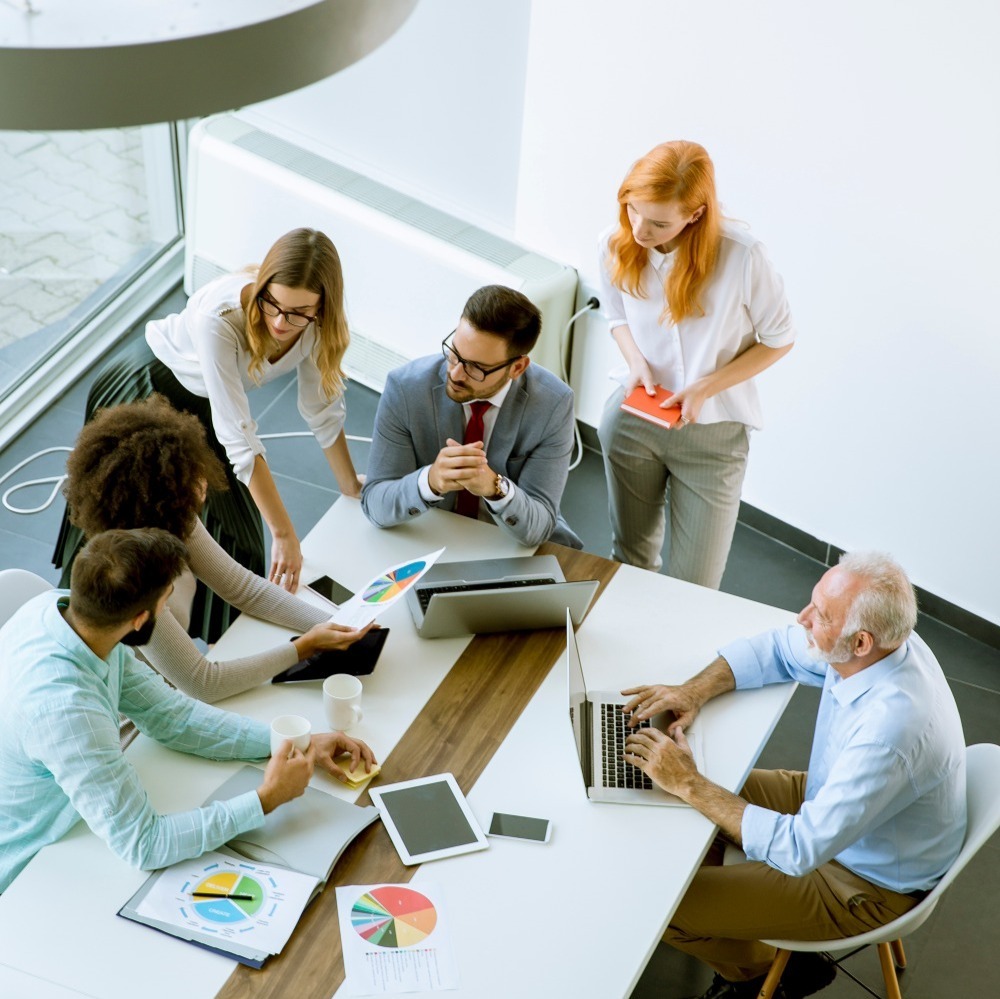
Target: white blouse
(744, 302)
(205, 346)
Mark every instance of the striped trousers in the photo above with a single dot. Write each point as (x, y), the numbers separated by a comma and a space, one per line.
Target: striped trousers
(701, 465)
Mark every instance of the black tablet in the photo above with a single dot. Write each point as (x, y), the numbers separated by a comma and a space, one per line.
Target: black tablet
(358, 660)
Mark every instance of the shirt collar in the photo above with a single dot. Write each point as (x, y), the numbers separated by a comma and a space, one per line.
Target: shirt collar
(60, 631)
(849, 690)
(657, 259)
(496, 399)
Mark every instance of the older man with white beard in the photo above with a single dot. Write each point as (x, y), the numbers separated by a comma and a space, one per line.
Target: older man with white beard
(870, 828)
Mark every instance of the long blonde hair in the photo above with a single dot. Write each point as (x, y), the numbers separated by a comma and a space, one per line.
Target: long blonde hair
(304, 258)
(679, 172)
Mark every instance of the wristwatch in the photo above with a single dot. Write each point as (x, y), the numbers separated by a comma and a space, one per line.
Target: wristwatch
(502, 487)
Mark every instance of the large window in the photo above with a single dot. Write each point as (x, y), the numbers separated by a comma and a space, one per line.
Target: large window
(90, 222)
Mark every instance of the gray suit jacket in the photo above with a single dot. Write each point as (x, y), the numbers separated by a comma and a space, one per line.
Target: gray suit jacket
(531, 444)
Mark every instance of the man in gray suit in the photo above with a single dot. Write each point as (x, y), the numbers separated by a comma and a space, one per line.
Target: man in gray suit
(480, 431)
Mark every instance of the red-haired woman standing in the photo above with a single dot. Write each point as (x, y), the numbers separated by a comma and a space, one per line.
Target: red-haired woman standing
(696, 307)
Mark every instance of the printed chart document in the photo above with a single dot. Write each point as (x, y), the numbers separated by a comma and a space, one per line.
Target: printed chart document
(382, 591)
(647, 407)
(395, 939)
(270, 873)
(246, 910)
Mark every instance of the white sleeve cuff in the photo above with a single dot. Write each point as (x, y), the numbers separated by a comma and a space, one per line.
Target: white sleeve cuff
(757, 831)
(424, 487)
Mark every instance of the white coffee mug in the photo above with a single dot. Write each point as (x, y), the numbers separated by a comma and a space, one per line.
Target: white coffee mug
(342, 701)
(293, 727)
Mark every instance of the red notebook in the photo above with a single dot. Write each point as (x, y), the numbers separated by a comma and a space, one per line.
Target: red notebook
(647, 407)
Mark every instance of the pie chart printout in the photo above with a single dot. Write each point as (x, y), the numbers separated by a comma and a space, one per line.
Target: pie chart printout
(226, 910)
(393, 916)
(392, 583)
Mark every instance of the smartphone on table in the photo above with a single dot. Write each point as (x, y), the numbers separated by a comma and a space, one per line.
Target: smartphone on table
(520, 827)
(330, 590)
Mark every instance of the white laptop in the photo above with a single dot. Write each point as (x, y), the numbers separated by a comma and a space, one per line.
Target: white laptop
(599, 731)
(497, 594)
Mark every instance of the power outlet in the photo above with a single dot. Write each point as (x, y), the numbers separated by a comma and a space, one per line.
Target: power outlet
(584, 292)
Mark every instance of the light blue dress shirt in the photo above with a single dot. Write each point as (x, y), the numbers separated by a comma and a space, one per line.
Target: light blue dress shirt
(60, 756)
(885, 794)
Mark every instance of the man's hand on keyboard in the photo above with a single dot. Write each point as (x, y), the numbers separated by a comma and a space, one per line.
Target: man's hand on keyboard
(667, 761)
(652, 700)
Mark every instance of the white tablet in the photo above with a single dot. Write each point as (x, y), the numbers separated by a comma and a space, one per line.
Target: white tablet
(428, 818)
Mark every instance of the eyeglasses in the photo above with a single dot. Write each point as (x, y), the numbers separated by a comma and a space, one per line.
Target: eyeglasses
(475, 371)
(292, 318)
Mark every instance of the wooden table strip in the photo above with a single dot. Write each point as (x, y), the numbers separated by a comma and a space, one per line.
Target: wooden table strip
(459, 730)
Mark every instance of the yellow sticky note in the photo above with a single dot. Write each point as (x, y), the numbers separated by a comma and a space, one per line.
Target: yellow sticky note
(359, 775)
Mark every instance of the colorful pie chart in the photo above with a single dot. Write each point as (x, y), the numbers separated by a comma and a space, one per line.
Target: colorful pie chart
(393, 916)
(228, 910)
(392, 583)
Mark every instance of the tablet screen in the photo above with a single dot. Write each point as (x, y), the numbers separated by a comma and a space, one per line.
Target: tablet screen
(428, 817)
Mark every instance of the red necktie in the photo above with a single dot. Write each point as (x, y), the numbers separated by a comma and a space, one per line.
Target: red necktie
(467, 504)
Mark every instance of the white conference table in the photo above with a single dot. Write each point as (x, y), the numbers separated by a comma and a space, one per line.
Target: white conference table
(580, 915)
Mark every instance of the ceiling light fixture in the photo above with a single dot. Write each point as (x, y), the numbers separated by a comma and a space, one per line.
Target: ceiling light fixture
(66, 64)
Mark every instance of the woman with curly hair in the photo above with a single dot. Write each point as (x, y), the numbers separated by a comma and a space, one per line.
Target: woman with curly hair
(143, 464)
(696, 307)
(236, 333)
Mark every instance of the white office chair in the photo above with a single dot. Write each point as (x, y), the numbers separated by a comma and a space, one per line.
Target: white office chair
(18, 586)
(983, 795)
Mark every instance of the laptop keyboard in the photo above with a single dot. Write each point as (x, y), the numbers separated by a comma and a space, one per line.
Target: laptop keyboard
(614, 730)
(424, 593)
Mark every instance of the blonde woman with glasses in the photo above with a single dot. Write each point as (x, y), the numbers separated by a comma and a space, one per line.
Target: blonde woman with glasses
(237, 333)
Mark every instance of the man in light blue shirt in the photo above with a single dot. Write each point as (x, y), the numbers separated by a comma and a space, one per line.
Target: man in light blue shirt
(876, 822)
(64, 677)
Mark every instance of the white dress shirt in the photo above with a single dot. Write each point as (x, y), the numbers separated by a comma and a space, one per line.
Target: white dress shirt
(205, 346)
(744, 302)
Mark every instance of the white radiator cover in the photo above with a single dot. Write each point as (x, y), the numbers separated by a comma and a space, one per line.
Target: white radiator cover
(408, 267)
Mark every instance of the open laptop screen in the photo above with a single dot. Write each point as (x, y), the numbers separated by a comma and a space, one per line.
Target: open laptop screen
(578, 719)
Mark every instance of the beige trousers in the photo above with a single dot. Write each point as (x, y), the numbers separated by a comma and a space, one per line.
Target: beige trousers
(703, 465)
(728, 909)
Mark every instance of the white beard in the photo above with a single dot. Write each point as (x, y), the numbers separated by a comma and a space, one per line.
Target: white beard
(840, 653)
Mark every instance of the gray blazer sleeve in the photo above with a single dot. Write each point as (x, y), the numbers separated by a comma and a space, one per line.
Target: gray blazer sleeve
(540, 473)
(390, 494)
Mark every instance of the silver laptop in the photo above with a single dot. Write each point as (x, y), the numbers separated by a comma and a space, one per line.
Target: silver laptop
(496, 594)
(599, 732)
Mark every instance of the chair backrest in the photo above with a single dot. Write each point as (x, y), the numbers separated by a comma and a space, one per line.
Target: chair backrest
(17, 587)
(982, 793)
(982, 796)
(982, 782)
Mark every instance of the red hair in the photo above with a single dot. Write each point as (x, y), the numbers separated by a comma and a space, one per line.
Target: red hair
(680, 172)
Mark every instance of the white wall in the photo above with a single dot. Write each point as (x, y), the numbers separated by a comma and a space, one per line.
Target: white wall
(860, 140)
(436, 111)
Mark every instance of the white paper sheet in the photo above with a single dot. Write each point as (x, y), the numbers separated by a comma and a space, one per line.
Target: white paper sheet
(395, 939)
(263, 921)
(383, 590)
